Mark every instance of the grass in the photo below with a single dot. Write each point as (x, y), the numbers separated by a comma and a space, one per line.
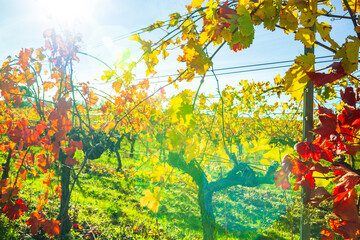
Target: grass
(105, 205)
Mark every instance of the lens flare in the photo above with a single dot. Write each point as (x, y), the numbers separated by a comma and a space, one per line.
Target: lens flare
(68, 11)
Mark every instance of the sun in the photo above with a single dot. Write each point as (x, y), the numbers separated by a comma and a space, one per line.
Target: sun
(69, 11)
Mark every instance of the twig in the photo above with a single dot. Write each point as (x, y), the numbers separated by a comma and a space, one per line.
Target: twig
(17, 174)
(351, 15)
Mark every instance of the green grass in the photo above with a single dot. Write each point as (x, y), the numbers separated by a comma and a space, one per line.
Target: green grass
(106, 205)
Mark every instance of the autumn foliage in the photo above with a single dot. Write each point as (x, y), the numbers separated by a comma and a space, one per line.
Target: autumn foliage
(52, 129)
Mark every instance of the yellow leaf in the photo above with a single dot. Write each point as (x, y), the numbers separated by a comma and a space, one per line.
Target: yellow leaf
(226, 34)
(323, 29)
(320, 179)
(349, 53)
(196, 3)
(151, 200)
(339, 107)
(288, 20)
(135, 37)
(258, 145)
(154, 160)
(38, 67)
(296, 90)
(352, 51)
(278, 80)
(306, 36)
(109, 126)
(264, 162)
(306, 62)
(354, 5)
(296, 77)
(273, 154)
(307, 19)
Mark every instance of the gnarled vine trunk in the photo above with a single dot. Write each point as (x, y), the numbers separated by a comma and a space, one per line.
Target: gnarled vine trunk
(241, 174)
(207, 213)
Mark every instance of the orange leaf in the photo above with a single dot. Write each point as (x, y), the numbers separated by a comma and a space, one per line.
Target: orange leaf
(2, 129)
(51, 227)
(48, 85)
(24, 57)
(327, 234)
(92, 99)
(117, 86)
(44, 162)
(23, 173)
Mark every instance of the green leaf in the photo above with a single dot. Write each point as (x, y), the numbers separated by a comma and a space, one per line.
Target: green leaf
(307, 19)
(126, 54)
(288, 21)
(245, 28)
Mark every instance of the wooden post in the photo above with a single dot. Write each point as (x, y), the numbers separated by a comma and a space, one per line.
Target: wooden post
(308, 118)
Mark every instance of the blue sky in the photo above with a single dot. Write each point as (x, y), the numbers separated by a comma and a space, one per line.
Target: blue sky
(22, 23)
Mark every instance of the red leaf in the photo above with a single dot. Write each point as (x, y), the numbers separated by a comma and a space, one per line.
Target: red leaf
(51, 227)
(346, 183)
(340, 170)
(347, 230)
(40, 128)
(77, 144)
(303, 150)
(35, 222)
(282, 179)
(299, 167)
(14, 211)
(307, 182)
(236, 47)
(226, 12)
(63, 106)
(104, 108)
(320, 79)
(352, 149)
(71, 161)
(70, 151)
(317, 195)
(24, 57)
(346, 208)
(320, 168)
(287, 163)
(309, 150)
(349, 116)
(328, 126)
(325, 110)
(349, 97)
(54, 147)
